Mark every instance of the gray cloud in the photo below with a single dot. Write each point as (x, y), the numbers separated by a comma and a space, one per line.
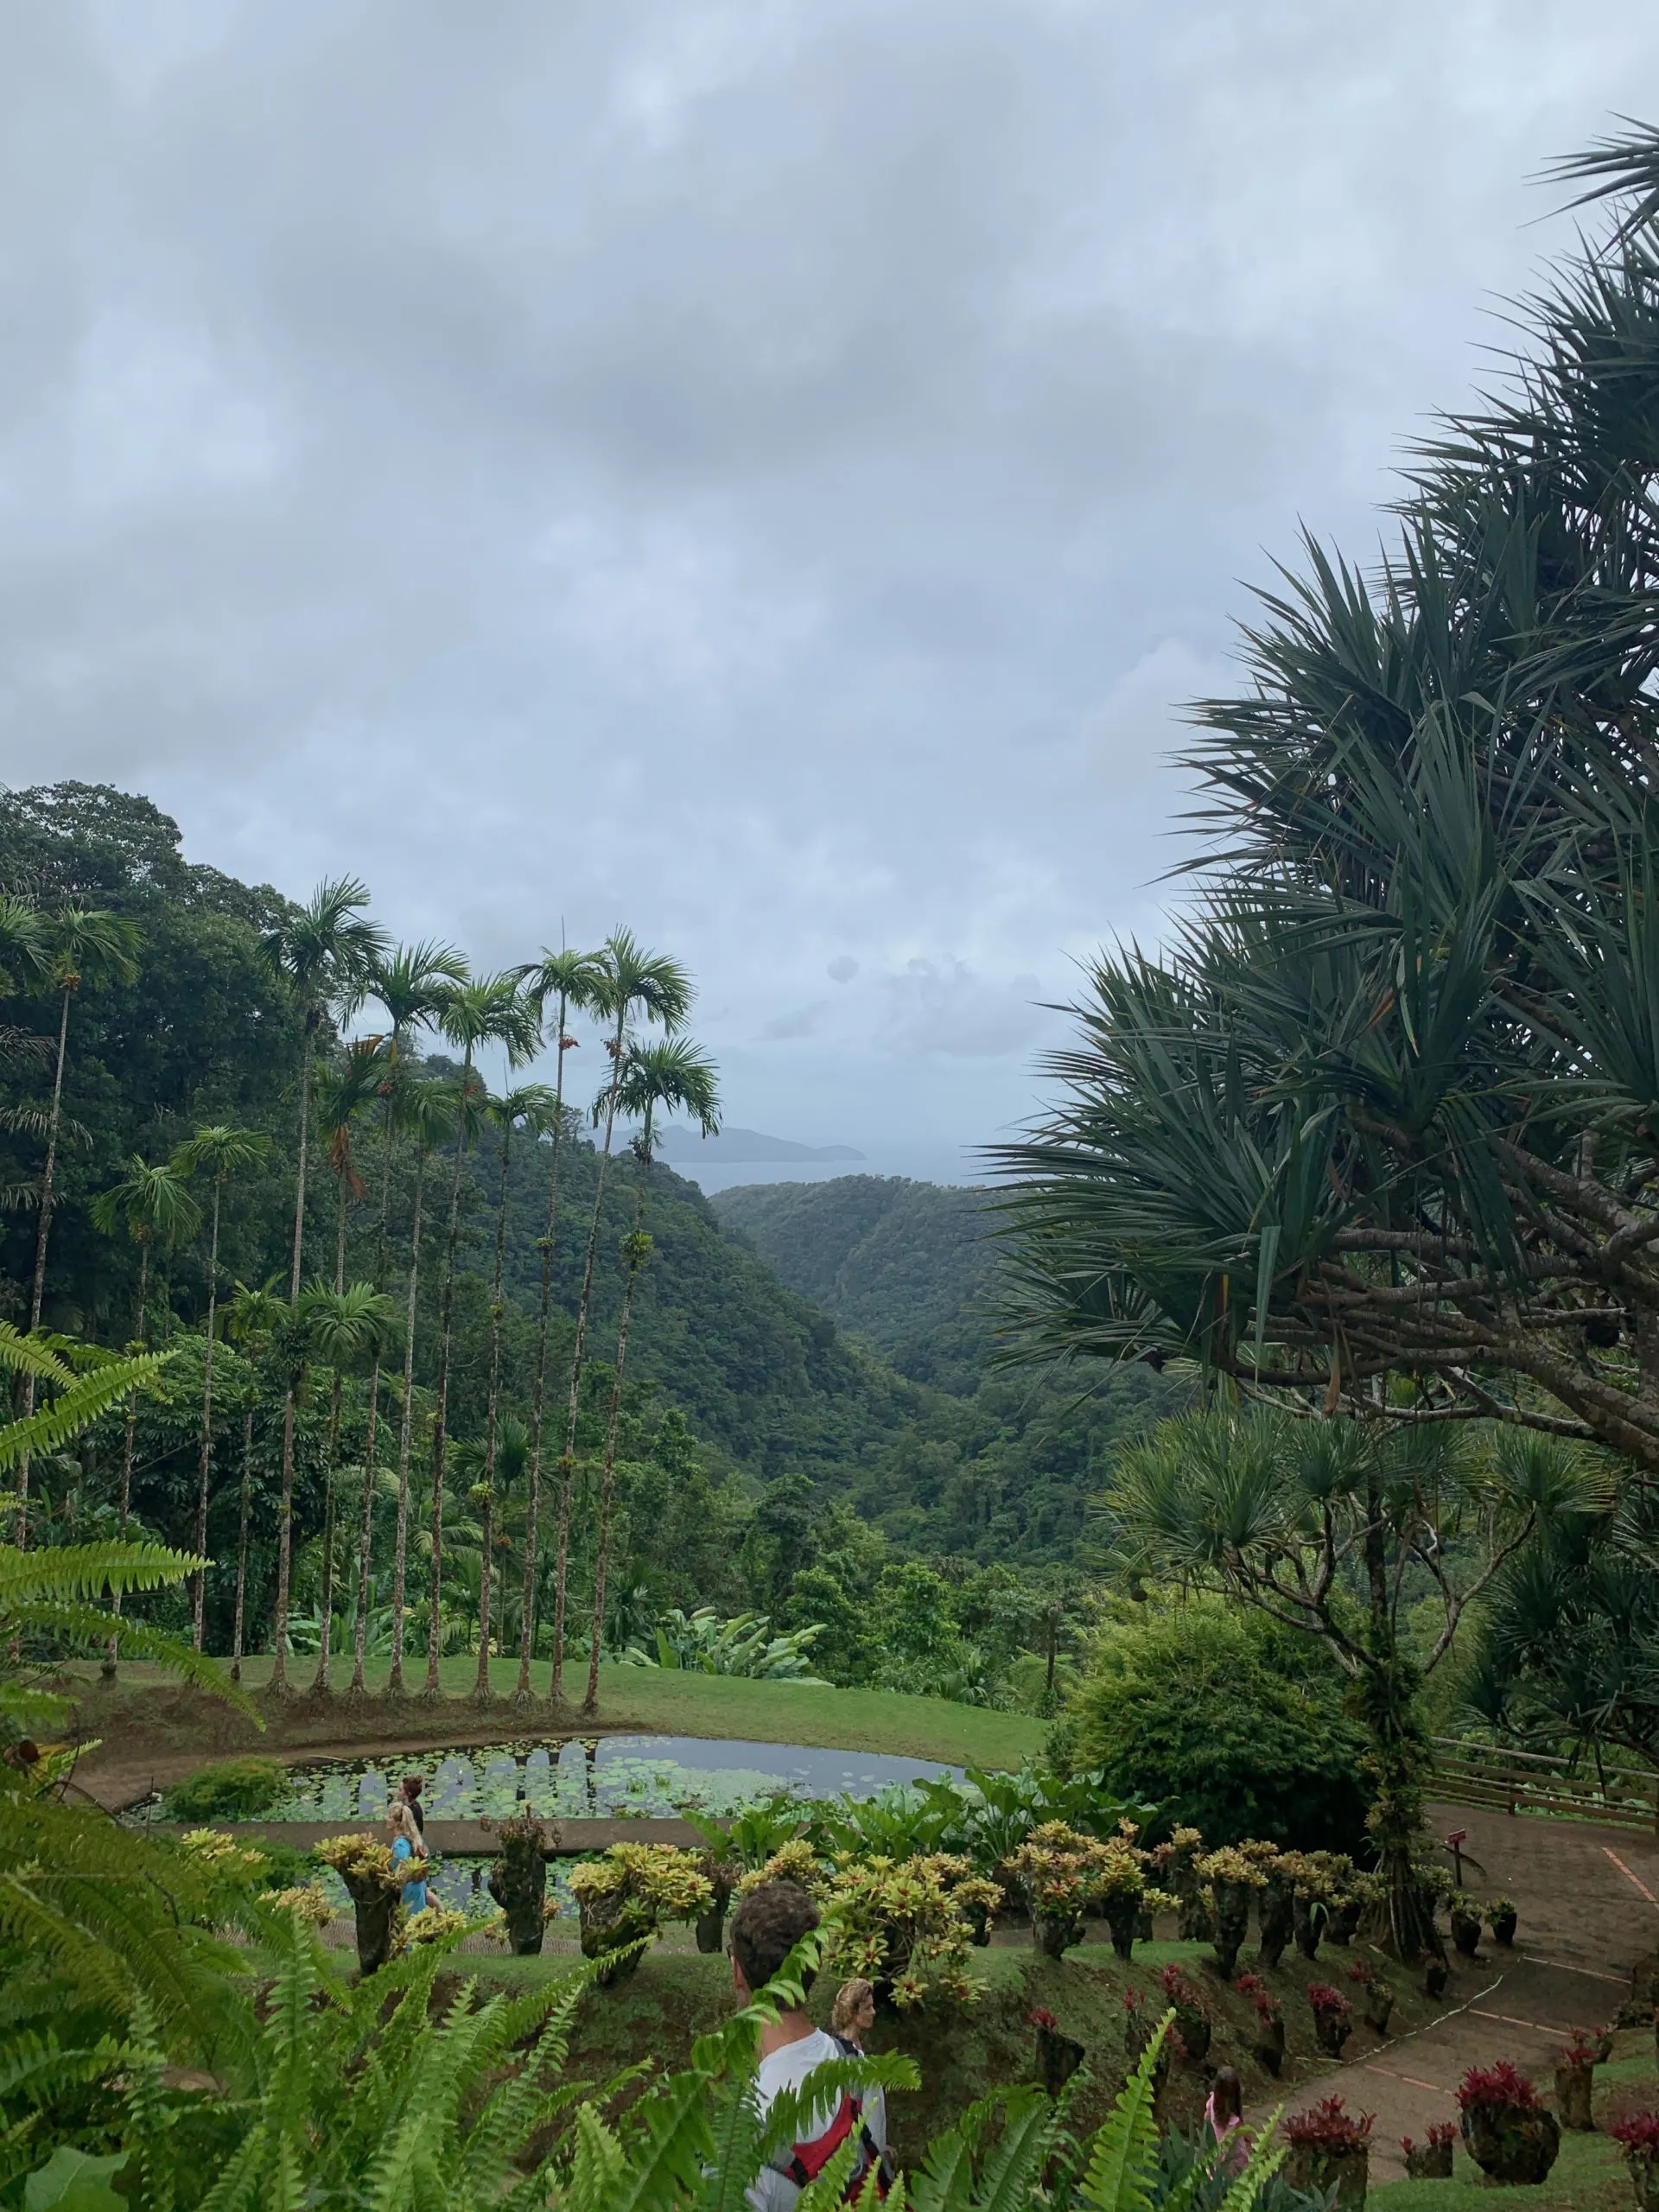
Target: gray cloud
(769, 472)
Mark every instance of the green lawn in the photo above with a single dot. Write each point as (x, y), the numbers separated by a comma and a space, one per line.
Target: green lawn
(655, 1702)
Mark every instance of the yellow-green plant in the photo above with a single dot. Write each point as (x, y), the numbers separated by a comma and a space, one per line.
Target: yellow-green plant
(904, 1925)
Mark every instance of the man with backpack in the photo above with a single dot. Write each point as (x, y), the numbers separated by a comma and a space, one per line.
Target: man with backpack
(765, 1928)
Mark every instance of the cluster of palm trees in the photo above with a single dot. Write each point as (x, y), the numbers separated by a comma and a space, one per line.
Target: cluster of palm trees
(337, 962)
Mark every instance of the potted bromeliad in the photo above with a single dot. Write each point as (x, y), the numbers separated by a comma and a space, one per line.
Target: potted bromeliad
(1058, 2056)
(1330, 2149)
(1575, 2077)
(1063, 1875)
(1379, 1994)
(1333, 2018)
(1501, 1918)
(1637, 2136)
(1177, 1866)
(625, 1895)
(374, 1882)
(1232, 1878)
(1430, 2161)
(1276, 1912)
(1192, 2021)
(518, 1880)
(1465, 1915)
(1511, 2136)
(904, 1925)
(1269, 2046)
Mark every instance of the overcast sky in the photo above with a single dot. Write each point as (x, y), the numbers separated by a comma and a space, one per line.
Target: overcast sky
(768, 472)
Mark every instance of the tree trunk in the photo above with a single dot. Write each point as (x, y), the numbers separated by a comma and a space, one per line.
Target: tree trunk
(299, 1174)
(37, 1292)
(284, 1542)
(326, 1610)
(198, 1589)
(242, 1546)
(1386, 1696)
(371, 1444)
(400, 1558)
(636, 1248)
(567, 1462)
(441, 1413)
(108, 1668)
(527, 1622)
(482, 1693)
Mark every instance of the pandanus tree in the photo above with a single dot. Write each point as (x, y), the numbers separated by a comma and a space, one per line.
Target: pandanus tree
(254, 1315)
(1333, 1529)
(490, 1009)
(348, 1328)
(156, 1209)
(425, 1114)
(412, 983)
(347, 1087)
(534, 1108)
(571, 981)
(1381, 1129)
(629, 983)
(77, 948)
(668, 1076)
(217, 1153)
(327, 950)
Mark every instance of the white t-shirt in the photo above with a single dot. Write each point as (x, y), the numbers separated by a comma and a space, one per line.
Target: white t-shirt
(787, 2067)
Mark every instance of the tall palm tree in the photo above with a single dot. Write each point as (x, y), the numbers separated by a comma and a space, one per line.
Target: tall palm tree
(346, 1326)
(670, 1077)
(535, 1108)
(346, 1088)
(489, 1009)
(326, 950)
(75, 946)
(253, 1317)
(217, 1151)
(631, 981)
(573, 979)
(156, 1207)
(427, 1111)
(412, 982)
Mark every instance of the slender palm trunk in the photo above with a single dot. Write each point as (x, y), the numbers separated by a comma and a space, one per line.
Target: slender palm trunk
(636, 1248)
(37, 1292)
(242, 1546)
(326, 1613)
(299, 1172)
(284, 1539)
(400, 1557)
(482, 1692)
(366, 1532)
(527, 1618)
(108, 1667)
(567, 1462)
(199, 1588)
(441, 1413)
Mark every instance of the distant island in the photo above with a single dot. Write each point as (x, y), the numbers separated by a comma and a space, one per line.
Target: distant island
(745, 1144)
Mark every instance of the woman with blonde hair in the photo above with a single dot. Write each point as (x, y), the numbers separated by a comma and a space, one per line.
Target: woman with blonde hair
(852, 2014)
(407, 1844)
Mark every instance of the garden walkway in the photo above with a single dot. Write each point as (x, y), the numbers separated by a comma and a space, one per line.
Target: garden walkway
(1589, 1904)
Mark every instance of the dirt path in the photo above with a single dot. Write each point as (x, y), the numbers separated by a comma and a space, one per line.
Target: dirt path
(1586, 1897)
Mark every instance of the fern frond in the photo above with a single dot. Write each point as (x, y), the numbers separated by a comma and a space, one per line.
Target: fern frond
(32, 1355)
(1010, 2176)
(87, 1399)
(1117, 2178)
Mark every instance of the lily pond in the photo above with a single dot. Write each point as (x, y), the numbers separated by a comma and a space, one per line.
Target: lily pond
(595, 1777)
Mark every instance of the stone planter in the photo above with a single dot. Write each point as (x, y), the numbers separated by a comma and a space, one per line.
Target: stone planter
(608, 1923)
(1121, 1915)
(1436, 1973)
(1318, 2171)
(1054, 1934)
(1510, 2147)
(1269, 2045)
(1057, 2059)
(1342, 1925)
(979, 1921)
(1429, 2162)
(1194, 1924)
(1465, 1933)
(1504, 1929)
(1574, 2086)
(1144, 1930)
(1196, 2031)
(375, 1910)
(711, 1928)
(1331, 2031)
(1233, 1922)
(1307, 1925)
(518, 1882)
(1379, 2005)
(1644, 2179)
(1277, 1918)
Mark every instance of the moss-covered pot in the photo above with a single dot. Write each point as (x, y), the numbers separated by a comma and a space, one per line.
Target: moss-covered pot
(609, 1923)
(1307, 1925)
(518, 1882)
(1503, 1926)
(1269, 2045)
(1233, 1922)
(1331, 2031)
(1644, 2179)
(1574, 2087)
(1121, 1915)
(1311, 2168)
(1429, 2162)
(1055, 1933)
(1057, 2059)
(1465, 1933)
(1510, 2147)
(1276, 1918)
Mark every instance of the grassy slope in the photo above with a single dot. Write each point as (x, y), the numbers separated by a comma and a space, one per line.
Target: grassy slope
(677, 1995)
(630, 1698)
(1590, 2175)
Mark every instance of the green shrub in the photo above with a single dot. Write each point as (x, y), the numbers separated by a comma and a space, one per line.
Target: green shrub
(1196, 1707)
(233, 1789)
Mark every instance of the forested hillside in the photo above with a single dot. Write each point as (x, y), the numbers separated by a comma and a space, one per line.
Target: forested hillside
(908, 1268)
